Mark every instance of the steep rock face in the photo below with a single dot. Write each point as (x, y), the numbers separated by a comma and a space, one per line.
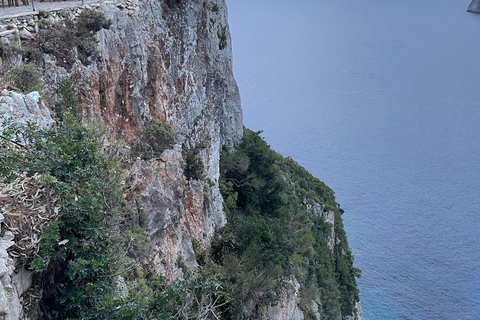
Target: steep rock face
(23, 108)
(474, 6)
(357, 315)
(328, 216)
(10, 306)
(286, 308)
(167, 61)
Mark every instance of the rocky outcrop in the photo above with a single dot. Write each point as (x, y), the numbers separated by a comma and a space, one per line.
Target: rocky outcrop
(159, 61)
(10, 305)
(287, 305)
(474, 6)
(168, 61)
(24, 108)
(357, 315)
(328, 216)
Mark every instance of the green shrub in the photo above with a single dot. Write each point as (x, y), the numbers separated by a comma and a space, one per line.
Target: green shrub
(271, 227)
(91, 241)
(10, 57)
(44, 24)
(27, 78)
(156, 138)
(216, 8)
(160, 136)
(64, 40)
(271, 235)
(68, 101)
(91, 21)
(8, 49)
(222, 38)
(194, 167)
(42, 14)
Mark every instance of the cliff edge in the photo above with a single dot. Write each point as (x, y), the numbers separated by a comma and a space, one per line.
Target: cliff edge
(474, 6)
(138, 108)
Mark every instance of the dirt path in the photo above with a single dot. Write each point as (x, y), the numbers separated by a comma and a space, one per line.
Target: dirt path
(47, 6)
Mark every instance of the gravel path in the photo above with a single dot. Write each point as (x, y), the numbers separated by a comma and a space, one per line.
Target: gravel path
(48, 6)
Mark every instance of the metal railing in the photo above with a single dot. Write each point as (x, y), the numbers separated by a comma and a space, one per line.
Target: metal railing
(17, 3)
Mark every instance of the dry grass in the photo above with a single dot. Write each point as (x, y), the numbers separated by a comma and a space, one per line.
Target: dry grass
(23, 204)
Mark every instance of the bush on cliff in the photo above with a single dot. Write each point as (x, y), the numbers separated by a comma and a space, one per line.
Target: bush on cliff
(156, 138)
(93, 247)
(271, 231)
(69, 40)
(83, 247)
(27, 78)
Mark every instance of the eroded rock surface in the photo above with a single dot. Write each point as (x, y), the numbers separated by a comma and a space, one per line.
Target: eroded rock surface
(286, 308)
(24, 108)
(172, 62)
(474, 6)
(167, 61)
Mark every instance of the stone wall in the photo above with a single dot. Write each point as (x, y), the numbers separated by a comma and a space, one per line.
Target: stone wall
(25, 25)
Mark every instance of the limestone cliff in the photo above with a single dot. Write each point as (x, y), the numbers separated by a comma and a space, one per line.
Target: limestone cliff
(159, 61)
(162, 61)
(474, 6)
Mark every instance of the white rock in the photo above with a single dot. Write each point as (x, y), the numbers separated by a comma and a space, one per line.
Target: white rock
(25, 34)
(3, 253)
(6, 33)
(8, 236)
(3, 267)
(6, 244)
(22, 281)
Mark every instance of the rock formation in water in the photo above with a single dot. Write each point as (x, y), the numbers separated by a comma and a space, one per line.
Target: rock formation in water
(474, 6)
(166, 61)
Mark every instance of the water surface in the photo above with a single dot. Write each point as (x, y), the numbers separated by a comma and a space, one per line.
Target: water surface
(379, 99)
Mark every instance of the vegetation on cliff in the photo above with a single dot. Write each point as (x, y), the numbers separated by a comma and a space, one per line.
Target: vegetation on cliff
(89, 235)
(93, 244)
(273, 233)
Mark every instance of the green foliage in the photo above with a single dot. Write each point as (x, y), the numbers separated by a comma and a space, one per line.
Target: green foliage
(194, 168)
(11, 54)
(44, 23)
(96, 240)
(83, 243)
(222, 38)
(68, 100)
(160, 136)
(69, 40)
(216, 8)
(272, 231)
(42, 14)
(72, 166)
(91, 21)
(196, 296)
(27, 78)
(156, 138)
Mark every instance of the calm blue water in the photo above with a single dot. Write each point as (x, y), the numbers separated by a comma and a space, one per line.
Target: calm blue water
(381, 100)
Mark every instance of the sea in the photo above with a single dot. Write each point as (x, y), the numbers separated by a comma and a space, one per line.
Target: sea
(380, 99)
